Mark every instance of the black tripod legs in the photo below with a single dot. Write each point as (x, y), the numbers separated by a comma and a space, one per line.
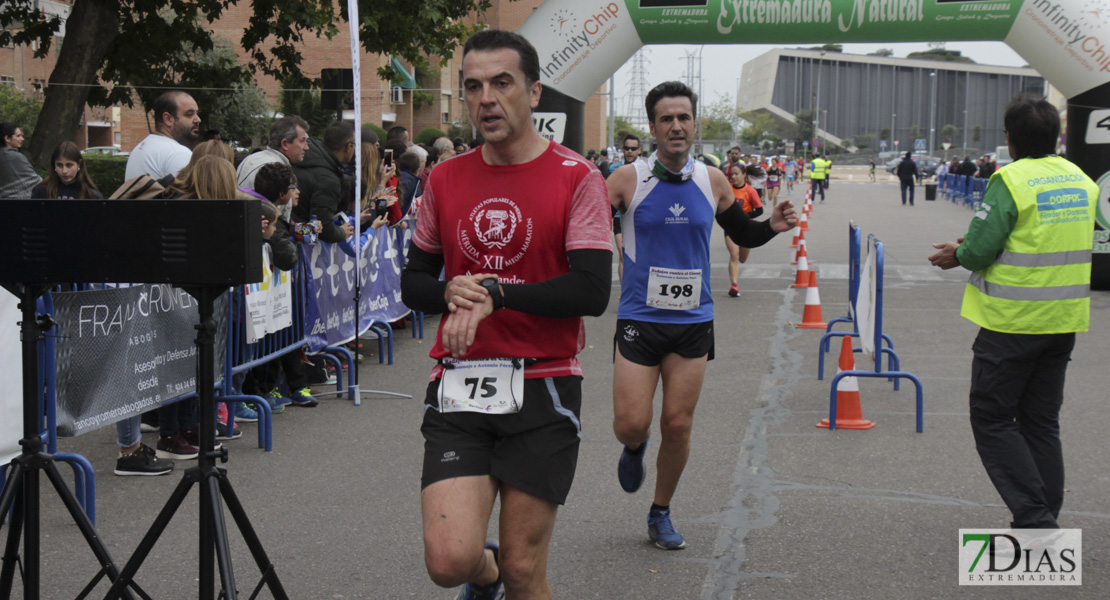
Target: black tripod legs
(9, 498)
(214, 483)
(269, 575)
(25, 522)
(147, 544)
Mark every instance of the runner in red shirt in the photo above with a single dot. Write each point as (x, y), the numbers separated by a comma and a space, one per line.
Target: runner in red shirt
(521, 227)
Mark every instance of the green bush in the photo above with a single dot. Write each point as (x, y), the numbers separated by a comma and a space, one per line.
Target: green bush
(106, 172)
(428, 136)
(378, 130)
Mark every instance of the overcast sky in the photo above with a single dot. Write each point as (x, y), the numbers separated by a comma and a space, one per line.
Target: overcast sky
(721, 64)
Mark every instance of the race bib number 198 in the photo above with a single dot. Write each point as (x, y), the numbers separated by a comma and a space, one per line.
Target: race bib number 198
(493, 386)
(674, 289)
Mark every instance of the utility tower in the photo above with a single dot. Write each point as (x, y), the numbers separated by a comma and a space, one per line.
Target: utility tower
(637, 91)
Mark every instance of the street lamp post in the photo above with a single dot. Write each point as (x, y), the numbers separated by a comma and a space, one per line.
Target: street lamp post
(892, 148)
(933, 113)
(817, 102)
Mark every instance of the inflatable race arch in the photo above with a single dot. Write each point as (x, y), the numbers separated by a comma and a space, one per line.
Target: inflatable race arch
(581, 43)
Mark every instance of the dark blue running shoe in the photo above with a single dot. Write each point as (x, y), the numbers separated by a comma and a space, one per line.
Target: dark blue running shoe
(662, 532)
(492, 591)
(630, 470)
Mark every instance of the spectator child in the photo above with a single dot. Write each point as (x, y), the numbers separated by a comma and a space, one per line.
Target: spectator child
(68, 177)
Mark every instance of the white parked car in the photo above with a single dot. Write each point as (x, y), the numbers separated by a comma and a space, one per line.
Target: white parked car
(106, 150)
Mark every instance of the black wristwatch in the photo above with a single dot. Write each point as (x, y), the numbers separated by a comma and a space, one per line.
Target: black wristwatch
(490, 283)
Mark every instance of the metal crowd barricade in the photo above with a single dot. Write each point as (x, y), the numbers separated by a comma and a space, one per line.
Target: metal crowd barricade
(84, 479)
(879, 350)
(950, 187)
(979, 189)
(854, 241)
(242, 356)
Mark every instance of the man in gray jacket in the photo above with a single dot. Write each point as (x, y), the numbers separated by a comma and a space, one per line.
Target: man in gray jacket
(288, 143)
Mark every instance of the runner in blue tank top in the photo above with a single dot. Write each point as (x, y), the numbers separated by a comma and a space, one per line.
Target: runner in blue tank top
(665, 319)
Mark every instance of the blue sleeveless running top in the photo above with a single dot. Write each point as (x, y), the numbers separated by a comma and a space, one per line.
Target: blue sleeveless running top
(667, 228)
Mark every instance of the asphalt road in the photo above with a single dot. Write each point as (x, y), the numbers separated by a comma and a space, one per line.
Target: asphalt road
(771, 506)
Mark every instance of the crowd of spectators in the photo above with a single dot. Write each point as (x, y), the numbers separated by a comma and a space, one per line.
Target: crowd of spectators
(303, 178)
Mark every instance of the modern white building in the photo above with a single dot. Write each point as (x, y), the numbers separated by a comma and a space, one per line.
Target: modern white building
(889, 99)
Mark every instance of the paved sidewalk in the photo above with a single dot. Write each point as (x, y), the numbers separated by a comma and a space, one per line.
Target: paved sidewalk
(771, 506)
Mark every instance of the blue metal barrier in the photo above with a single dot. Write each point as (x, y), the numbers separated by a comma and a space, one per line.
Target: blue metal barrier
(879, 350)
(854, 241)
(242, 356)
(979, 190)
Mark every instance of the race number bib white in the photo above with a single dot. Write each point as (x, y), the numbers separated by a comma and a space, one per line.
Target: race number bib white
(674, 289)
(493, 386)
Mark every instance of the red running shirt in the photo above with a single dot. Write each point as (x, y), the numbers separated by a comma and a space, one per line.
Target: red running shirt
(518, 221)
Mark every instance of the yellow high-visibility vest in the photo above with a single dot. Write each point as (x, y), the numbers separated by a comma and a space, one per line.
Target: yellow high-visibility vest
(820, 167)
(1040, 283)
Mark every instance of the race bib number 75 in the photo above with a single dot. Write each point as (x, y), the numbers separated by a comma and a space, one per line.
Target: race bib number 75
(493, 386)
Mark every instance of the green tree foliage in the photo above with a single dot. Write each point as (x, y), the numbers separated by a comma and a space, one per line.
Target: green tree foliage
(427, 136)
(804, 120)
(381, 133)
(622, 126)
(976, 133)
(719, 120)
(106, 171)
(915, 132)
(129, 43)
(941, 54)
(461, 128)
(884, 133)
(863, 141)
(761, 127)
(19, 110)
(239, 113)
(305, 103)
(882, 52)
(948, 133)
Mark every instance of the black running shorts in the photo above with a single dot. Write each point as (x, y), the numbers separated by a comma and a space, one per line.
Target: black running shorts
(534, 450)
(647, 343)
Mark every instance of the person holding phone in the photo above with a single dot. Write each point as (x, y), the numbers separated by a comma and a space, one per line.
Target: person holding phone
(320, 178)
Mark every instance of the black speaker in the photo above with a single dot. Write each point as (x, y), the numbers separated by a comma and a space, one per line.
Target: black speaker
(184, 242)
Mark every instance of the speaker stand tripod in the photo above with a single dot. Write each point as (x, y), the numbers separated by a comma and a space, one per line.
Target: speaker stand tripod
(214, 485)
(25, 472)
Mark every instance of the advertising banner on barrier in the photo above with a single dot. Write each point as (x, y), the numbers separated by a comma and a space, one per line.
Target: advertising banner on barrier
(11, 369)
(865, 300)
(122, 351)
(270, 301)
(330, 310)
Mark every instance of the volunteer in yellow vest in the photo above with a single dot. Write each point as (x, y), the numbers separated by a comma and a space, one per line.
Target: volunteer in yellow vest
(818, 170)
(1029, 250)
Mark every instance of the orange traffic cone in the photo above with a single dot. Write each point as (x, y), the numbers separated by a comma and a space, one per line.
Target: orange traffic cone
(801, 251)
(811, 317)
(849, 415)
(803, 221)
(801, 277)
(797, 234)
